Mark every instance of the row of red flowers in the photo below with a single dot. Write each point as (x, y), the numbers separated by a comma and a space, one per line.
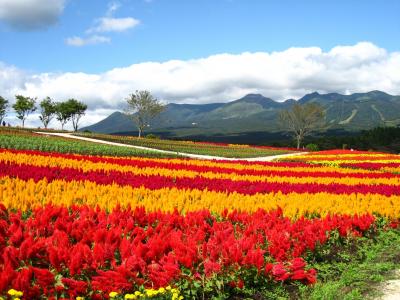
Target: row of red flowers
(27, 172)
(69, 252)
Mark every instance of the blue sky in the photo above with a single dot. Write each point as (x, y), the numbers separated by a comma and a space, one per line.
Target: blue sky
(187, 51)
(188, 29)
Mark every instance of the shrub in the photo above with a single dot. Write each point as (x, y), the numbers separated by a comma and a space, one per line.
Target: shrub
(152, 136)
(312, 147)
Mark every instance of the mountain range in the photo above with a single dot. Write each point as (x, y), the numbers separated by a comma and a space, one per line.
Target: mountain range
(256, 113)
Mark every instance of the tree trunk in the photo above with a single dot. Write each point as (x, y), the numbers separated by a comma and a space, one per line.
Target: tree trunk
(298, 138)
(140, 132)
(23, 123)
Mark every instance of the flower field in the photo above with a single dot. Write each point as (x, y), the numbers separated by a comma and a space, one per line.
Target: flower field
(203, 148)
(75, 226)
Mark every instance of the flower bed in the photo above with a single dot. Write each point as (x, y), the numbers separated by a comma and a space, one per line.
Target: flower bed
(203, 148)
(109, 227)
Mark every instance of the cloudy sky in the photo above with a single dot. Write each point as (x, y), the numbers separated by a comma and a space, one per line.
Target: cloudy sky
(187, 51)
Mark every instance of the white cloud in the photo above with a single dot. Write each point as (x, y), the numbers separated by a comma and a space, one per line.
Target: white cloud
(77, 41)
(30, 14)
(220, 78)
(109, 24)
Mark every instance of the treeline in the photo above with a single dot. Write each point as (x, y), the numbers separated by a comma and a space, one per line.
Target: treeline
(385, 139)
(69, 110)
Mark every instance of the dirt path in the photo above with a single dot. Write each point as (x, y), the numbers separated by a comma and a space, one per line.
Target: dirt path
(391, 288)
(197, 156)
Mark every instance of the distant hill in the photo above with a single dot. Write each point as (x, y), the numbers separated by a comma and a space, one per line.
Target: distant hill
(256, 113)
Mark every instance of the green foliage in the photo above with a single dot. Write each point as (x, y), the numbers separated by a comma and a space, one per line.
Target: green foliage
(68, 110)
(23, 107)
(386, 139)
(54, 144)
(355, 270)
(3, 108)
(76, 110)
(47, 111)
(63, 113)
(142, 108)
(152, 136)
(312, 147)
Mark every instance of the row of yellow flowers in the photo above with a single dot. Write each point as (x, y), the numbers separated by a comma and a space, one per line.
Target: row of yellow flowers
(23, 195)
(61, 162)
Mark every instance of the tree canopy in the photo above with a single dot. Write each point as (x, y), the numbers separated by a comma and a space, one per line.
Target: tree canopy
(142, 107)
(77, 110)
(71, 109)
(48, 111)
(63, 113)
(3, 108)
(301, 120)
(23, 107)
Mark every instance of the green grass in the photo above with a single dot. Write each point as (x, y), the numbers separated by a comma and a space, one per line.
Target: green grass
(356, 271)
(29, 141)
(222, 150)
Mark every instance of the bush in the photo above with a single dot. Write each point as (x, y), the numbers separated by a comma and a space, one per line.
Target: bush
(312, 147)
(152, 136)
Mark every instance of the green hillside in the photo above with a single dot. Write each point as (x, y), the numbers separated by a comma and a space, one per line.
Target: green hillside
(256, 113)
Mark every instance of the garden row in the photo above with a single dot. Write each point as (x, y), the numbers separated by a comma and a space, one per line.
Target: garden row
(203, 148)
(31, 141)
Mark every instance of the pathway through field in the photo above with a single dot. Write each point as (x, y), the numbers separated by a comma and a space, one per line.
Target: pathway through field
(198, 156)
(391, 288)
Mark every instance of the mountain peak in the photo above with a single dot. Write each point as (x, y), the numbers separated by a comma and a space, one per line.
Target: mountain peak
(253, 96)
(378, 93)
(309, 97)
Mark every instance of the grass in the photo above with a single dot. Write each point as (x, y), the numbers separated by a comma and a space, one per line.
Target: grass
(355, 271)
(203, 148)
(25, 140)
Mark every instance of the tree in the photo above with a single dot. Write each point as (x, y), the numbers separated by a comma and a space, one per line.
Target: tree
(301, 120)
(48, 110)
(3, 108)
(23, 107)
(63, 113)
(143, 107)
(77, 110)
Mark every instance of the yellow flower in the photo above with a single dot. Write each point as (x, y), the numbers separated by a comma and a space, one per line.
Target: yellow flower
(15, 293)
(113, 294)
(138, 294)
(129, 296)
(80, 298)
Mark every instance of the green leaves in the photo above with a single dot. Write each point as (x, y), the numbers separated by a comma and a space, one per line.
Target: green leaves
(53, 144)
(48, 110)
(142, 107)
(3, 108)
(23, 107)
